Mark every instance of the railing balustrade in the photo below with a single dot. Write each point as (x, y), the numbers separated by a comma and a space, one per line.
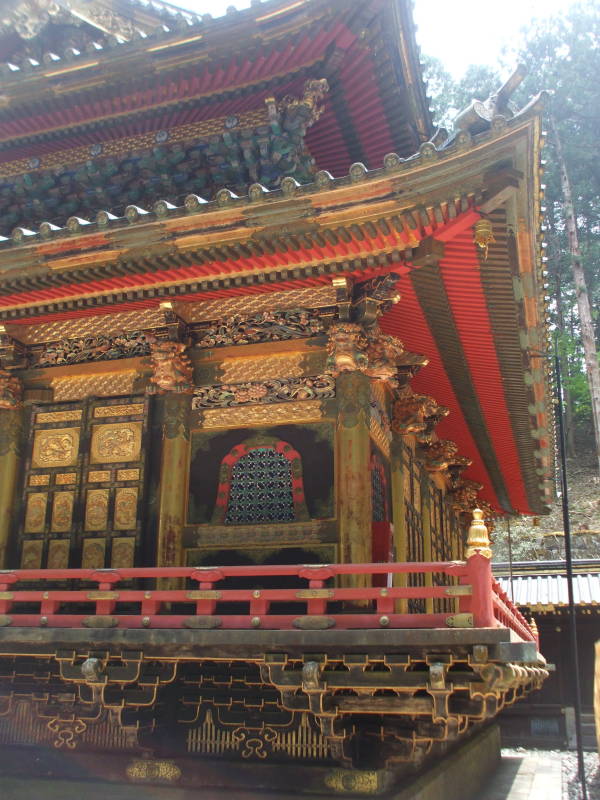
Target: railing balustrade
(207, 602)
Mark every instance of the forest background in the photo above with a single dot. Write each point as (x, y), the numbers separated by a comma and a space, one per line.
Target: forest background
(562, 55)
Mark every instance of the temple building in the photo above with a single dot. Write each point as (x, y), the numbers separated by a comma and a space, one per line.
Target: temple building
(272, 360)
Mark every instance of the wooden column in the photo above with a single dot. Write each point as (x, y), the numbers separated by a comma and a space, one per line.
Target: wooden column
(426, 522)
(172, 381)
(397, 476)
(174, 477)
(11, 426)
(354, 479)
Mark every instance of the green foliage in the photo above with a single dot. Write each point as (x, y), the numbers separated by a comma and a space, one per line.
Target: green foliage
(562, 54)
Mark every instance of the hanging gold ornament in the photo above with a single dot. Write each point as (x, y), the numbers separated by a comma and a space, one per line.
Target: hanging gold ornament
(483, 235)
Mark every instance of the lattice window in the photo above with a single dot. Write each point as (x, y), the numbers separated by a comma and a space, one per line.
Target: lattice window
(260, 482)
(261, 489)
(379, 491)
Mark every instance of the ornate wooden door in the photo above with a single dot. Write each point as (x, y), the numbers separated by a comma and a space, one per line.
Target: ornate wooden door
(83, 488)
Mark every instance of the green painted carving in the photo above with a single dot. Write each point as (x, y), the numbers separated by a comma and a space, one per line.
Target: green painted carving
(354, 399)
(11, 432)
(176, 416)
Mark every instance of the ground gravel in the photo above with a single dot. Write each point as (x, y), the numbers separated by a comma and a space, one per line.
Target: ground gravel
(570, 773)
(571, 788)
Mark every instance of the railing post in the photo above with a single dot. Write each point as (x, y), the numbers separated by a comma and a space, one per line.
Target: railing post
(479, 568)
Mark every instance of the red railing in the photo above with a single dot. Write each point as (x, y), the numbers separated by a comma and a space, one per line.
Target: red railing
(317, 600)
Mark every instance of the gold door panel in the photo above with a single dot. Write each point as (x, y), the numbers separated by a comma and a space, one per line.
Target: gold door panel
(125, 508)
(62, 512)
(35, 514)
(120, 442)
(83, 487)
(96, 510)
(58, 554)
(57, 447)
(93, 553)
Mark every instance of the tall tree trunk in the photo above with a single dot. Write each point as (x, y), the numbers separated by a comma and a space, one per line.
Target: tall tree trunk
(583, 300)
(565, 370)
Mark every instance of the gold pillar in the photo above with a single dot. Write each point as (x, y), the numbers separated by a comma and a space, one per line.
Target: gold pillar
(354, 478)
(172, 381)
(397, 476)
(11, 425)
(426, 523)
(174, 478)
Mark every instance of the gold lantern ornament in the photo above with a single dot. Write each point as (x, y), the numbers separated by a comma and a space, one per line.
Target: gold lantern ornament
(483, 235)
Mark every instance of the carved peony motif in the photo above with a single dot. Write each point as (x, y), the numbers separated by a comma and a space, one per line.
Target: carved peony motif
(94, 348)
(275, 390)
(172, 369)
(11, 390)
(267, 326)
(346, 349)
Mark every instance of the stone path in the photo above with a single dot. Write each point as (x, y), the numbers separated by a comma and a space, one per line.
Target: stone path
(526, 776)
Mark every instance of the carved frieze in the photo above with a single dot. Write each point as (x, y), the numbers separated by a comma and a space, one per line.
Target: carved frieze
(271, 391)
(171, 368)
(267, 326)
(304, 411)
(92, 348)
(346, 348)
(11, 390)
(130, 410)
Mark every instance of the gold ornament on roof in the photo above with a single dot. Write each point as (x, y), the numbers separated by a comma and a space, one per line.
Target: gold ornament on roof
(483, 235)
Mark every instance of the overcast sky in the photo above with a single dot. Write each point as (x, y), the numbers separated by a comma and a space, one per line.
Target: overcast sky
(458, 32)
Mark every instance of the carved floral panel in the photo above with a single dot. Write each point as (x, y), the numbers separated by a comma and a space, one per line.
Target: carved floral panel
(31, 555)
(96, 510)
(123, 550)
(62, 511)
(118, 442)
(125, 508)
(58, 554)
(35, 515)
(93, 553)
(56, 447)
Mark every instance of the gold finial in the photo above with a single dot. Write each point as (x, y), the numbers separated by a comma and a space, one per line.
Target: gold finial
(483, 235)
(478, 540)
(534, 627)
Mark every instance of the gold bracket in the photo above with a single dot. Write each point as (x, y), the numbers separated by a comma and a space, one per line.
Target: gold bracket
(460, 621)
(459, 591)
(312, 594)
(102, 595)
(204, 594)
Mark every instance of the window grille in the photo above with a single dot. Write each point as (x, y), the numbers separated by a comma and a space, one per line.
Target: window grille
(261, 488)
